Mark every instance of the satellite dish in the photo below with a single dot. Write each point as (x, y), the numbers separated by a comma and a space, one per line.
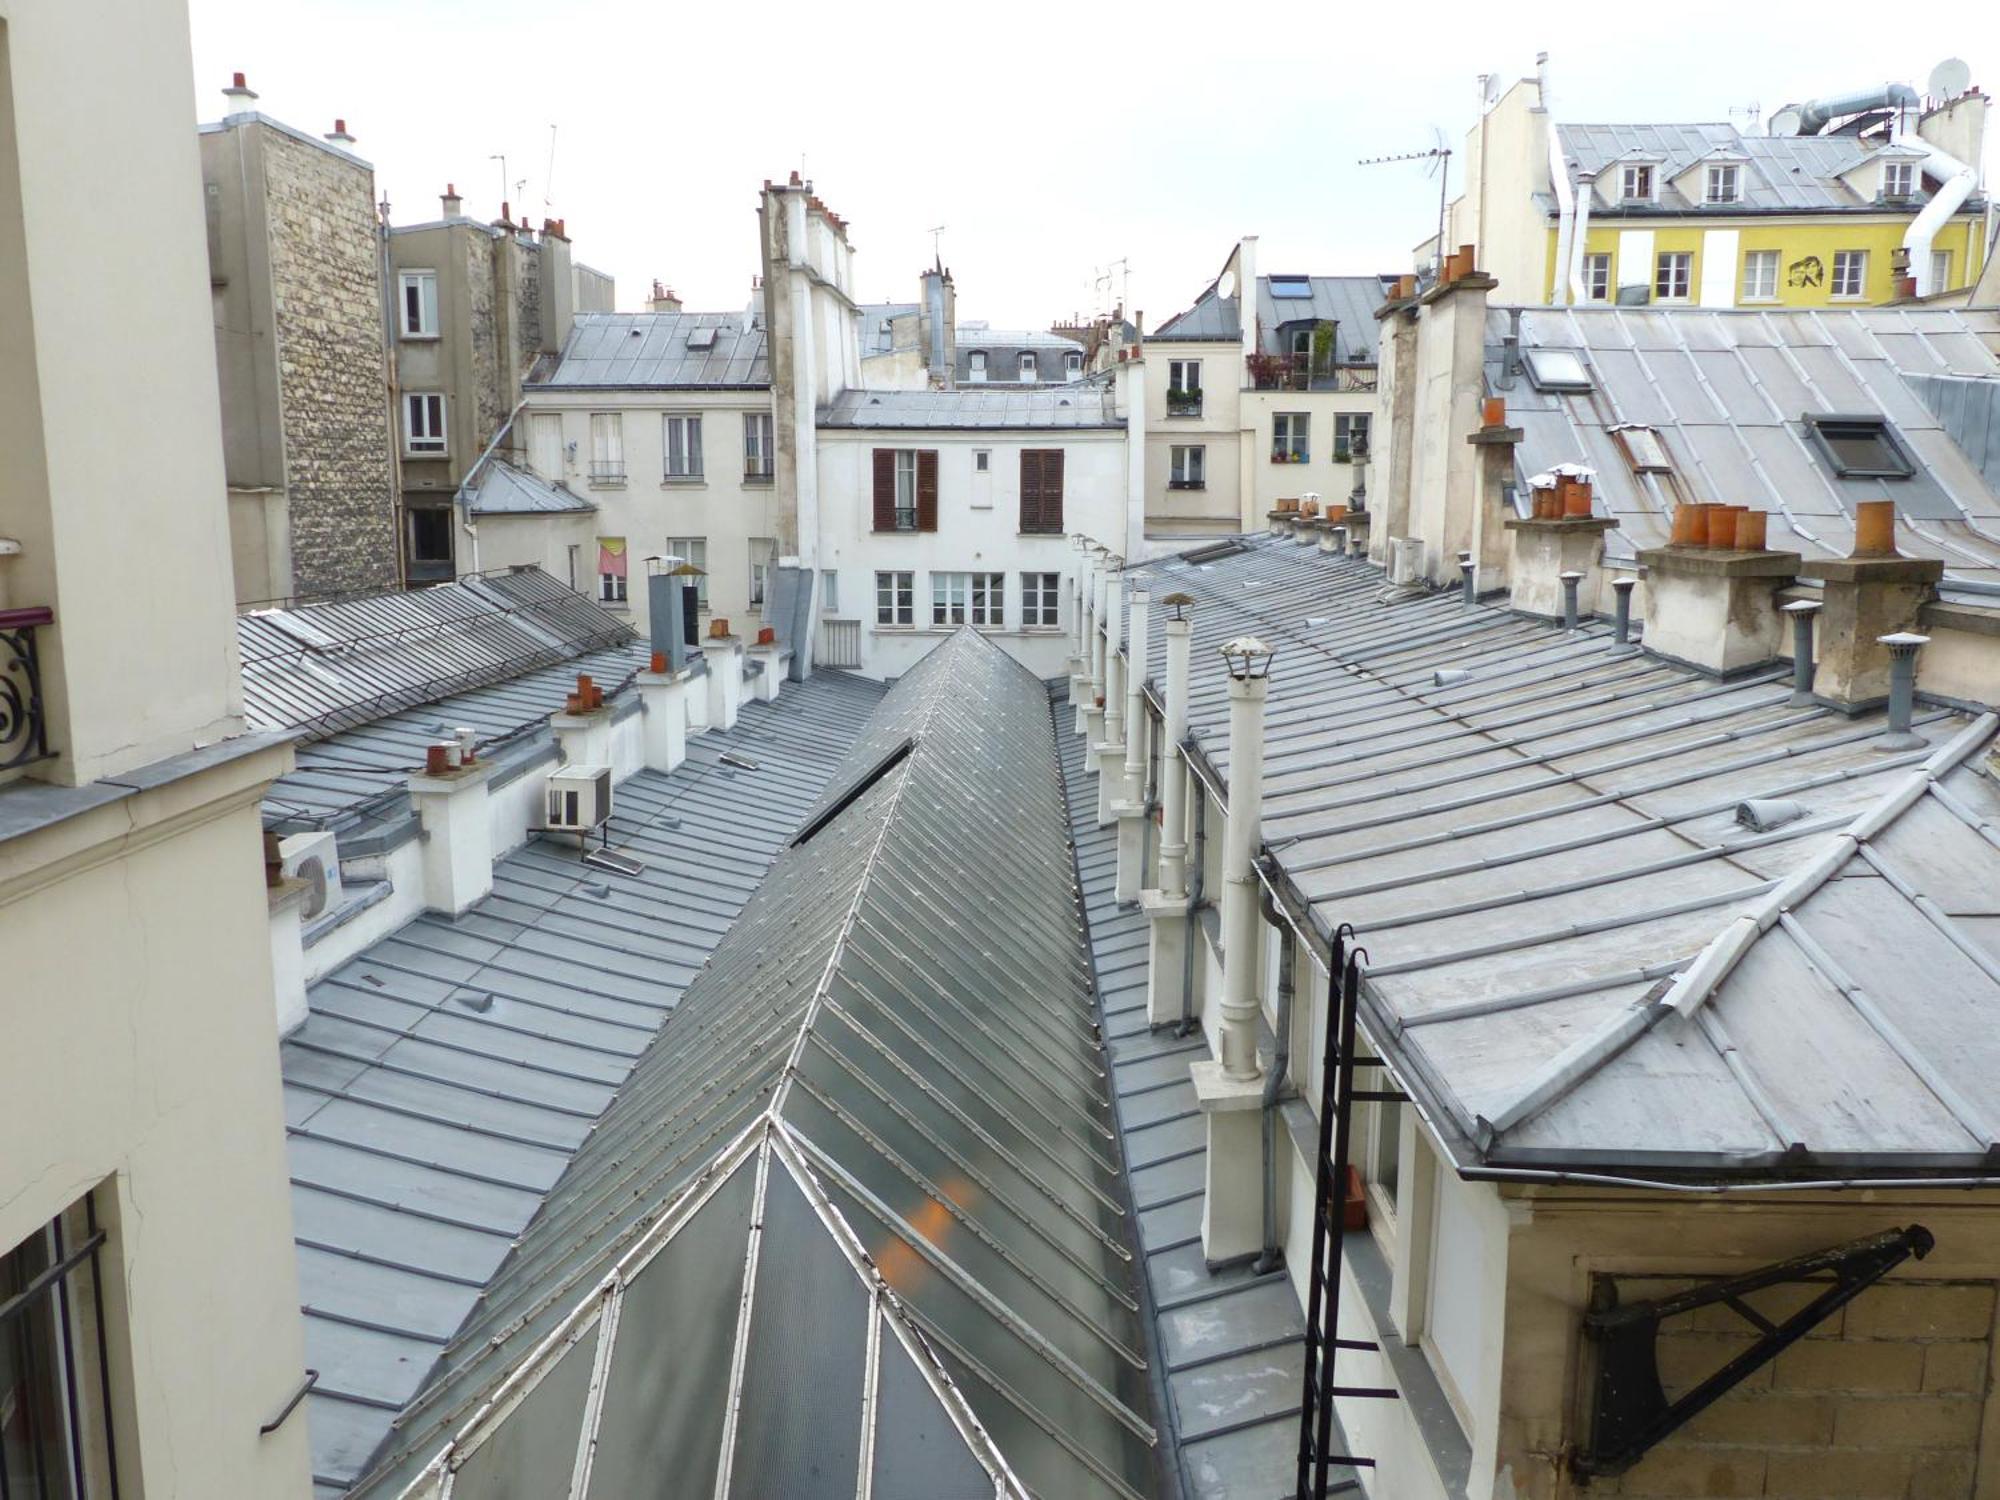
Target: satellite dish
(312, 870)
(1491, 90)
(1785, 121)
(1225, 284)
(1949, 79)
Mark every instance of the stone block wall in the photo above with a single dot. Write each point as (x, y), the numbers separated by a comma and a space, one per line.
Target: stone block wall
(484, 405)
(1883, 1401)
(326, 284)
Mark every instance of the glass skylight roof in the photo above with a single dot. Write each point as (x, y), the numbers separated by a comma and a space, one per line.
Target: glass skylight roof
(1295, 288)
(1557, 370)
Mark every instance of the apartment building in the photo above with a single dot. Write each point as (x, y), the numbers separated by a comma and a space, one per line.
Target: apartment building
(149, 1336)
(1847, 200)
(1245, 413)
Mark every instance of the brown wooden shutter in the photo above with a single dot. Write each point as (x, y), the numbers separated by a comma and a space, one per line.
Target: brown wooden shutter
(885, 489)
(1052, 489)
(1031, 489)
(927, 489)
(1042, 489)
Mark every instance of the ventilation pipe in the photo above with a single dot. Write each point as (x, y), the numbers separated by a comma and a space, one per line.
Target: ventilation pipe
(1173, 775)
(1249, 686)
(1816, 114)
(1579, 239)
(1273, 1254)
(1956, 182)
(1562, 293)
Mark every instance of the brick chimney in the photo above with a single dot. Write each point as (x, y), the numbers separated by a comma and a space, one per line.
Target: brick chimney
(663, 299)
(1875, 592)
(453, 205)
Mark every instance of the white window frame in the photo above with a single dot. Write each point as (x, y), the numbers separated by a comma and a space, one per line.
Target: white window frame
(989, 600)
(693, 549)
(1073, 366)
(1183, 475)
(1346, 424)
(906, 488)
(1291, 434)
(425, 285)
(1183, 375)
(1041, 601)
(951, 599)
(1597, 276)
(829, 591)
(680, 447)
(1723, 183)
(1635, 182)
(1940, 270)
(1673, 269)
(615, 588)
(975, 367)
(1850, 267)
(1759, 287)
(1027, 366)
(896, 595)
(759, 446)
(763, 557)
(424, 425)
(607, 447)
(1899, 179)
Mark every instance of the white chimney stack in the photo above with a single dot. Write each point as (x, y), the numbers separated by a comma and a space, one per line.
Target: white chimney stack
(1110, 750)
(238, 98)
(1130, 807)
(1166, 909)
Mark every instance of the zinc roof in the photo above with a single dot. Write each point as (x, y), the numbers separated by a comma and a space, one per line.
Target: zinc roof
(860, 1202)
(1350, 301)
(1728, 391)
(1576, 954)
(654, 350)
(504, 490)
(1084, 403)
(446, 1075)
(875, 337)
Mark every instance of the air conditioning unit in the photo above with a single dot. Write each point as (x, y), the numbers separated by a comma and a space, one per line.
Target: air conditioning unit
(314, 858)
(579, 798)
(1406, 559)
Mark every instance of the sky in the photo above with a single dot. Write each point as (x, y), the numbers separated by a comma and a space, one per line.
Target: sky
(1071, 152)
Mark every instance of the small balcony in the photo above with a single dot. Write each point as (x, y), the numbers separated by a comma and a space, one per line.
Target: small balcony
(1184, 403)
(24, 728)
(607, 471)
(1300, 372)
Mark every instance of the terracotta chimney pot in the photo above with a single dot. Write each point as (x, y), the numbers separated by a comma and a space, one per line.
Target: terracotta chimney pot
(658, 665)
(1875, 528)
(1576, 497)
(718, 629)
(1751, 528)
(1494, 412)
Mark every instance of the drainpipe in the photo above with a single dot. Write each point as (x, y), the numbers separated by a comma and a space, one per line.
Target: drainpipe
(1173, 774)
(1273, 1254)
(1114, 637)
(1135, 696)
(1249, 687)
(1197, 882)
(1559, 293)
(1579, 239)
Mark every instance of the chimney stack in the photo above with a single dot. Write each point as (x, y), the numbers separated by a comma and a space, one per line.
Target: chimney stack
(338, 135)
(239, 98)
(1708, 600)
(454, 206)
(1166, 909)
(1874, 593)
(1130, 806)
(663, 299)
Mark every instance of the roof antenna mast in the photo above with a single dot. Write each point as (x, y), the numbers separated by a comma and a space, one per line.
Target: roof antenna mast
(1439, 157)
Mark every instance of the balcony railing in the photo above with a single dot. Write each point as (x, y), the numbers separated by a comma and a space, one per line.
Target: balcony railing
(1298, 372)
(607, 471)
(24, 728)
(1183, 403)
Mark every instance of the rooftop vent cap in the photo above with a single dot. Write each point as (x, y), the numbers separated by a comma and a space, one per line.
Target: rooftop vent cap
(1766, 813)
(1448, 676)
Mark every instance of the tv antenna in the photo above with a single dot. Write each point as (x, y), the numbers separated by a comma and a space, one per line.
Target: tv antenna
(1119, 270)
(937, 257)
(1439, 157)
(549, 177)
(502, 159)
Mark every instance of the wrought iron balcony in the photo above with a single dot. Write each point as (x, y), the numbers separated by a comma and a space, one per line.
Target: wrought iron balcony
(1183, 403)
(24, 729)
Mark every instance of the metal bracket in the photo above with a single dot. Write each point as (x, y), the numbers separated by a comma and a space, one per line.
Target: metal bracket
(1629, 1411)
(311, 1380)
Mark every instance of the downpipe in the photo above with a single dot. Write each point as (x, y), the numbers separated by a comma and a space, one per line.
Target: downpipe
(1273, 1256)
(1197, 868)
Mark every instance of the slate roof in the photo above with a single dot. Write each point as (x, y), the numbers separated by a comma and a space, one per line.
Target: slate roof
(651, 351)
(447, 1074)
(860, 1202)
(504, 490)
(1084, 403)
(1727, 391)
(1788, 173)
(1577, 956)
(320, 668)
(1003, 349)
(876, 339)
(1351, 301)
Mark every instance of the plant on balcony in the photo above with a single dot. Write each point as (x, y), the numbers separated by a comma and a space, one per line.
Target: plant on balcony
(1270, 372)
(1184, 401)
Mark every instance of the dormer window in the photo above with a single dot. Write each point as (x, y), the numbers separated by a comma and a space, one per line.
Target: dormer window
(975, 370)
(1899, 179)
(1027, 368)
(1724, 183)
(1073, 366)
(1635, 182)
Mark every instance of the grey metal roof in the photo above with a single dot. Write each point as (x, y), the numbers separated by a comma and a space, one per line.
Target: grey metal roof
(1003, 349)
(1575, 954)
(875, 337)
(446, 1075)
(865, 1183)
(1348, 300)
(1795, 172)
(663, 351)
(321, 668)
(503, 490)
(1084, 403)
(1727, 391)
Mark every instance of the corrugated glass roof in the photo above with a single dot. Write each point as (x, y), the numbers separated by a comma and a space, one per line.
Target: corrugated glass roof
(882, 1109)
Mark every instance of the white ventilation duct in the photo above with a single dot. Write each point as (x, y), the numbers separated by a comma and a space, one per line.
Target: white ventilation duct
(1566, 290)
(1816, 114)
(1956, 181)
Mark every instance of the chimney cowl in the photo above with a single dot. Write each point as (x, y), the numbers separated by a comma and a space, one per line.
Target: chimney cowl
(339, 135)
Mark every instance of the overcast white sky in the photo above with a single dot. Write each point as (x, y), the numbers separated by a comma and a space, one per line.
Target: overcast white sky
(1050, 139)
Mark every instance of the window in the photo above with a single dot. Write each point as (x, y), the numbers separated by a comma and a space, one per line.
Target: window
(611, 569)
(763, 553)
(1673, 275)
(1027, 367)
(1635, 182)
(950, 598)
(757, 445)
(906, 489)
(1072, 367)
(829, 591)
(545, 444)
(1350, 435)
(1189, 470)
(1597, 278)
(989, 599)
(1291, 288)
(683, 447)
(1850, 272)
(430, 535)
(1760, 276)
(895, 598)
(1184, 388)
(1300, 343)
(1860, 447)
(1723, 180)
(423, 424)
(982, 460)
(55, 1390)
(418, 300)
(1899, 179)
(1041, 600)
(1042, 490)
(1940, 270)
(1289, 441)
(607, 448)
(975, 367)
(1556, 370)
(693, 549)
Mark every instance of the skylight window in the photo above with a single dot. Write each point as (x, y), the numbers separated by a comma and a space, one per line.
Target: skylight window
(701, 338)
(1293, 288)
(1644, 450)
(1557, 370)
(1860, 447)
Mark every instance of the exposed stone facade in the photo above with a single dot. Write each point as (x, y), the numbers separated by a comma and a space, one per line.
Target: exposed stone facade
(483, 404)
(326, 287)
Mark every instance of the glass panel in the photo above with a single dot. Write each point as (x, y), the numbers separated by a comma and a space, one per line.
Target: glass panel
(919, 1454)
(664, 1397)
(533, 1453)
(1043, 1464)
(799, 1432)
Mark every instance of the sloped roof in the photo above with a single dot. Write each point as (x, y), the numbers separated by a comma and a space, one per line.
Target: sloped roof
(875, 338)
(1350, 301)
(321, 668)
(1003, 348)
(504, 490)
(1544, 865)
(663, 350)
(895, 1041)
(1727, 390)
(445, 1075)
(1082, 403)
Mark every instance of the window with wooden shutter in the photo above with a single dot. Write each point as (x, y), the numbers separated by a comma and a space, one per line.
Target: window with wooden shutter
(885, 489)
(1042, 490)
(927, 489)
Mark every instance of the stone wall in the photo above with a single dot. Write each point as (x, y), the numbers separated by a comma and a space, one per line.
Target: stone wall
(482, 405)
(326, 284)
(528, 304)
